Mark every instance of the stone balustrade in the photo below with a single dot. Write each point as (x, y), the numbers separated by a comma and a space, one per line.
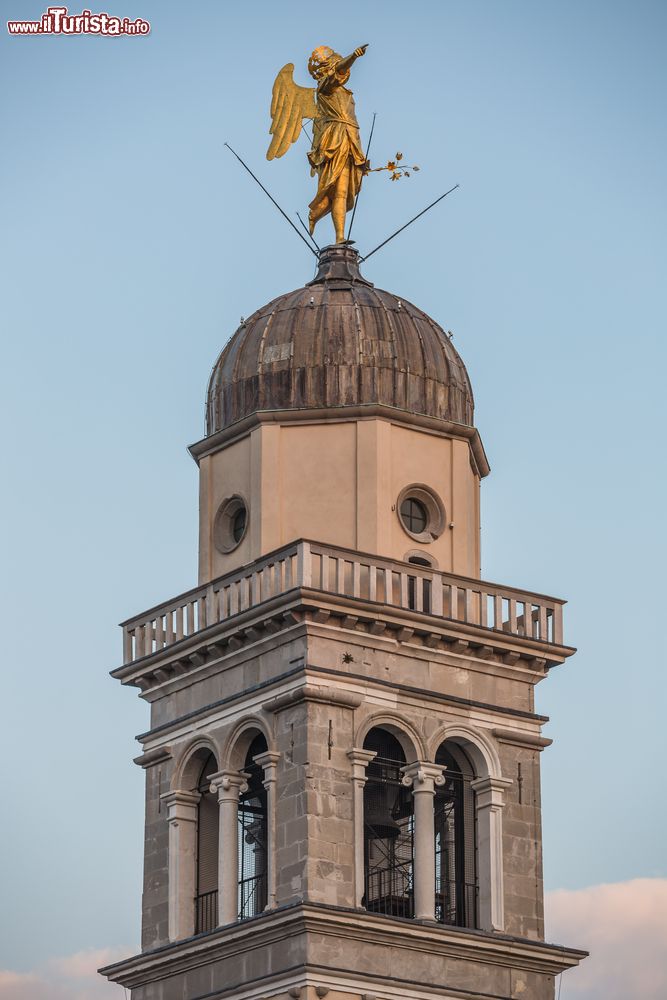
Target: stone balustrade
(327, 569)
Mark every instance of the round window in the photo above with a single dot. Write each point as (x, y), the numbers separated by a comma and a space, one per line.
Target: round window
(231, 524)
(238, 524)
(414, 515)
(421, 513)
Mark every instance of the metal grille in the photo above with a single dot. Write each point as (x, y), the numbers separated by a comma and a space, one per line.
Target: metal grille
(206, 911)
(414, 515)
(206, 900)
(388, 830)
(253, 839)
(455, 844)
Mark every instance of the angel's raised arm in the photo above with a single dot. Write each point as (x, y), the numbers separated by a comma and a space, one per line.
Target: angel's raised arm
(290, 104)
(346, 63)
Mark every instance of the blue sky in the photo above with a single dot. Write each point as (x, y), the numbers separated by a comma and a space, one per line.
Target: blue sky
(133, 242)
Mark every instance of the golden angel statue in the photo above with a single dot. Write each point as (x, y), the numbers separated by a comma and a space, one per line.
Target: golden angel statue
(336, 155)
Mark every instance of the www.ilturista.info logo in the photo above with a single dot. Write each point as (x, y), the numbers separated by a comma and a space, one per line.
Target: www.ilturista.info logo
(57, 21)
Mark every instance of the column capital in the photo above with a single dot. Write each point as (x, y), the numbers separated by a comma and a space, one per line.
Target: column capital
(360, 760)
(490, 791)
(423, 776)
(229, 784)
(181, 805)
(268, 761)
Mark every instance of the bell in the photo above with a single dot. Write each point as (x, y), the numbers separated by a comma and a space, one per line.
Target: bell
(254, 832)
(378, 813)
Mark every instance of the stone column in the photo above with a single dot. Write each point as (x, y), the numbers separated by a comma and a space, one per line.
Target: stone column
(182, 820)
(229, 785)
(489, 801)
(423, 778)
(360, 761)
(269, 763)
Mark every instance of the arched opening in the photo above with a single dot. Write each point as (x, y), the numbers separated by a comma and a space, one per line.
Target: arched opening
(208, 812)
(456, 883)
(388, 829)
(253, 836)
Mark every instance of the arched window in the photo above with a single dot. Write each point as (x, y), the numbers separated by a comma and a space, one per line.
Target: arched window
(208, 812)
(388, 830)
(455, 840)
(253, 836)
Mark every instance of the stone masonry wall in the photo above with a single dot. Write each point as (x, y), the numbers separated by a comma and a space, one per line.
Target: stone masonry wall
(154, 929)
(522, 843)
(329, 791)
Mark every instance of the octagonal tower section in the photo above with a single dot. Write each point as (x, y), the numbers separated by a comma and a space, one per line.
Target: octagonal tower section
(342, 413)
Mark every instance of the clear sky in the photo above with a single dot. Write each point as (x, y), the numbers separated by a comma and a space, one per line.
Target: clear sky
(133, 242)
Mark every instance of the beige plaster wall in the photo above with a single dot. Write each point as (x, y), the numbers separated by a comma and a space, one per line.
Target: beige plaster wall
(338, 483)
(221, 476)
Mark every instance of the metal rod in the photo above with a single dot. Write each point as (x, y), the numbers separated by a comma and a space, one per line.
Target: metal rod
(368, 149)
(423, 211)
(311, 238)
(284, 214)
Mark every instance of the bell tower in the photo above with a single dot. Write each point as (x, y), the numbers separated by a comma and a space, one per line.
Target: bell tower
(342, 765)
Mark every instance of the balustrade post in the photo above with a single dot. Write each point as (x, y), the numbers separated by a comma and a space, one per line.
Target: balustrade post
(127, 645)
(558, 625)
(436, 595)
(423, 778)
(304, 565)
(211, 611)
(542, 623)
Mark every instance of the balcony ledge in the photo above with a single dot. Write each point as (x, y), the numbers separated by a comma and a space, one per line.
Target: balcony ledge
(304, 919)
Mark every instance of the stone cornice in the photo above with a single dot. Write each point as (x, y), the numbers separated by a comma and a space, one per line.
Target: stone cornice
(160, 670)
(522, 739)
(340, 676)
(153, 757)
(312, 692)
(337, 923)
(345, 414)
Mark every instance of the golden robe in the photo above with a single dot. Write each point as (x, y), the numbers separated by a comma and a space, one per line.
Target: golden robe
(336, 142)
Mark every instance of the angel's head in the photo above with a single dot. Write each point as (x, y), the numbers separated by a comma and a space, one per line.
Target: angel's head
(322, 61)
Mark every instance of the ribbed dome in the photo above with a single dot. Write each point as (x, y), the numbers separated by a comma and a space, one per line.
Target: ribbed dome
(339, 341)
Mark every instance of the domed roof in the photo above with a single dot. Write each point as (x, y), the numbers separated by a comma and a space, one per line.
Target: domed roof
(338, 342)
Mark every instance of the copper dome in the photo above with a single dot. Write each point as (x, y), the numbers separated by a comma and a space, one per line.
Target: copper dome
(337, 342)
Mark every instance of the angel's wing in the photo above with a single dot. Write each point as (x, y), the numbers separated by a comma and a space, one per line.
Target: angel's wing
(290, 104)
